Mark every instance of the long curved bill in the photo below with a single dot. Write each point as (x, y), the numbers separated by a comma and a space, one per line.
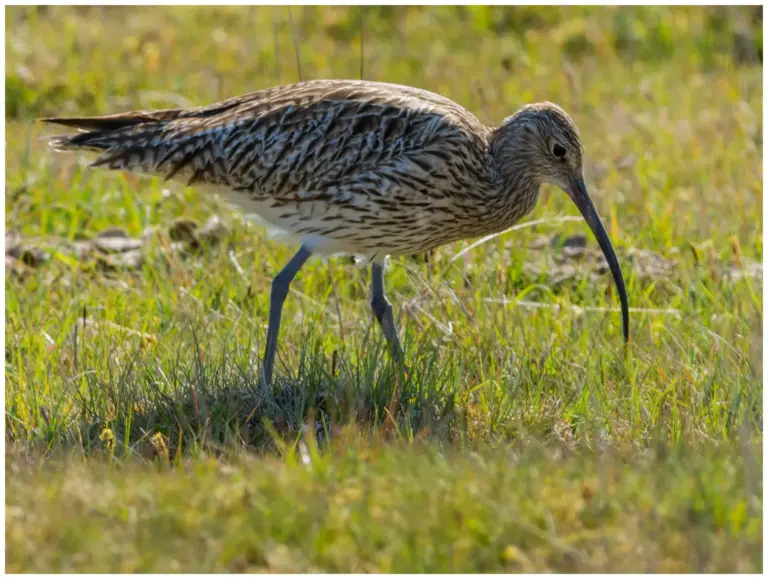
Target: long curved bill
(577, 191)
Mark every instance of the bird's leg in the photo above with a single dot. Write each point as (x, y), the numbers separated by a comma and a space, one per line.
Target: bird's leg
(382, 309)
(280, 284)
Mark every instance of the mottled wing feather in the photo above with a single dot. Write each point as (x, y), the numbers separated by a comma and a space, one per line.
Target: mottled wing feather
(288, 142)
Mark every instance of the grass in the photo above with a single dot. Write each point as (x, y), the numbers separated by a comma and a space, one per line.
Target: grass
(532, 439)
(369, 507)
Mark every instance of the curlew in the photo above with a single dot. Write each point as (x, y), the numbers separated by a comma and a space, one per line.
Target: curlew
(366, 168)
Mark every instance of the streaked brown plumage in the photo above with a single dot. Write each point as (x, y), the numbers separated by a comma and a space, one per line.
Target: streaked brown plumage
(368, 168)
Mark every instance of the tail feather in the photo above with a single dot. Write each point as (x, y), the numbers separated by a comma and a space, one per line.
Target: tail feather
(146, 141)
(114, 122)
(133, 118)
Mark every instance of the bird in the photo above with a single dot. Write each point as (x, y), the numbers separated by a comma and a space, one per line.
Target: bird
(359, 167)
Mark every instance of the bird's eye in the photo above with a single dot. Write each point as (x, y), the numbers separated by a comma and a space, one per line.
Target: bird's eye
(558, 151)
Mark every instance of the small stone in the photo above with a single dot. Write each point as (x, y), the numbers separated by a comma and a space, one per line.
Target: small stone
(116, 244)
(28, 254)
(126, 260)
(213, 230)
(113, 232)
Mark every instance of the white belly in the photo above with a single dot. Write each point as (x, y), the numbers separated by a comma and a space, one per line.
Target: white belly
(283, 230)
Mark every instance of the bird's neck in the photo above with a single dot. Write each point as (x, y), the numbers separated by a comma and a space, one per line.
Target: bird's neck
(517, 189)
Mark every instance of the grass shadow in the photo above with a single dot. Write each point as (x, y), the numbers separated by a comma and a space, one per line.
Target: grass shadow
(200, 402)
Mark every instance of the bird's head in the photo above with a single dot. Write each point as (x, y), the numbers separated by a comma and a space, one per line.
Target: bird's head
(540, 143)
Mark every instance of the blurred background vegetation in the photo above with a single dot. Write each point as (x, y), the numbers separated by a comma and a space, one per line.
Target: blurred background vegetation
(252, 46)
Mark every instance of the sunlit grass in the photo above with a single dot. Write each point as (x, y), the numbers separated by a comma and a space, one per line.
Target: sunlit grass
(371, 507)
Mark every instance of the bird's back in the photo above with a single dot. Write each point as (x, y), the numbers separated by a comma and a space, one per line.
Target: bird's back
(308, 129)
